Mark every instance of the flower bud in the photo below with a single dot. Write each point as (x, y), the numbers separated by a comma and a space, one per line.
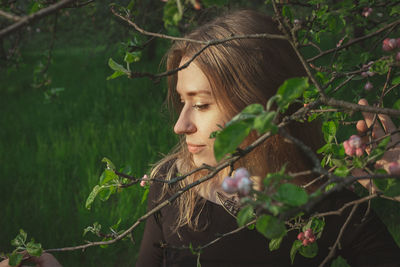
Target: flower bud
(370, 73)
(244, 186)
(366, 11)
(143, 182)
(398, 56)
(355, 141)
(308, 233)
(368, 86)
(394, 168)
(300, 236)
(229, 185)
(241, 172)
(389, 44)
(348, 149)
(359, 151)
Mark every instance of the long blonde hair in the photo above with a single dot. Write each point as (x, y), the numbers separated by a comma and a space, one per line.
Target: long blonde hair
(240, 72)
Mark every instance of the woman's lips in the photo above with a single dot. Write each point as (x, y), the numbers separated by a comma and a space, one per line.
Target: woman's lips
(194, 149)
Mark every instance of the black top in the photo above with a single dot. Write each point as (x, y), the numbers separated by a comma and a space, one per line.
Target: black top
(366, 243)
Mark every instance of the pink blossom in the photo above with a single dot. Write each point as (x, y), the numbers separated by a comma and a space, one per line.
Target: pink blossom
(366, 11)
(143, 182)
(394, 168)
(389, 44)
(368, 86)
(229, 185)
(354, 146)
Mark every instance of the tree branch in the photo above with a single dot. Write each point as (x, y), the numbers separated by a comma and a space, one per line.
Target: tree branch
(354, 41)
(26, 20)
(9, 16)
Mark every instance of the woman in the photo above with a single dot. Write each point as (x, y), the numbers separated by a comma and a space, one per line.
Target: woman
(218, 84)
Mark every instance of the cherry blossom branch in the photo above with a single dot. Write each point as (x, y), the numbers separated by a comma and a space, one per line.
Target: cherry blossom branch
(324, 98)
(356, 40)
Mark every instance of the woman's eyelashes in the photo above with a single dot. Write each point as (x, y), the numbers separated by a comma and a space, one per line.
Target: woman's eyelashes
(200, 106)
(197, 106)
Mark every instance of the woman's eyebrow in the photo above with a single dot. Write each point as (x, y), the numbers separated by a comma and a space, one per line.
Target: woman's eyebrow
(198, 92)
(195, 92)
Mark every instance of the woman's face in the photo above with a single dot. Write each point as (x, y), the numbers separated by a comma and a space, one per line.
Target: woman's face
(200, 115)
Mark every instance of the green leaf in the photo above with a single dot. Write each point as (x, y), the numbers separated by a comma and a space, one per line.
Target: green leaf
(105, 194)
(317, 225)
(271, 227)
(309, 251)
(329, 186)
(20, 239)
(245, 215)
(15, 259)
(247, 114)
(34, 249)
(291, 194)
(106, 176)
(393, 188)
(295, 247)
(92, 196)
(230, 138)
(339, 262)
(95, 229)
(287, 12)
(275, 243)
(116, 74)
(396, 80)
(131, 57)
(264, 123)
(144, 197)
(109, 165)
(117, 67)
(342, 171)
(290, 90)
(395, 10)
(329, 129)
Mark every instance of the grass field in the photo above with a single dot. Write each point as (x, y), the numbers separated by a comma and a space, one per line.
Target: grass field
(50, 153)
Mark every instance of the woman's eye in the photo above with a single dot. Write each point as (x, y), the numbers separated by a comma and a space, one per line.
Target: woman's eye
(200, 106)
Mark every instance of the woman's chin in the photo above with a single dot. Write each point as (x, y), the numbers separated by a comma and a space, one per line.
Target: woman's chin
(199, 161)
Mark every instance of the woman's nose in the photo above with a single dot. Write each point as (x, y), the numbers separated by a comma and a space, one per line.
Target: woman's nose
(185, 124)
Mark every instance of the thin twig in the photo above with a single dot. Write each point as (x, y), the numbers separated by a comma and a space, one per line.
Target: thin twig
(354, 41)
(26, 20)
(9, 16)
(333, 249)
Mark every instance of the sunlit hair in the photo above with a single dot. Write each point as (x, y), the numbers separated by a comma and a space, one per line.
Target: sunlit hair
(240, 72)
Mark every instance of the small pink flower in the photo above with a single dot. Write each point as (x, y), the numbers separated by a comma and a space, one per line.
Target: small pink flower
(368, 86)
(244, 186)
(143, 182)
(389, 44)
(398, 56)
(229, 185)
(394, 168)
(366, 11)
(354, 146)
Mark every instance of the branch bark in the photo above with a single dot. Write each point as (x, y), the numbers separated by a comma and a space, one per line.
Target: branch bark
(24, 21)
